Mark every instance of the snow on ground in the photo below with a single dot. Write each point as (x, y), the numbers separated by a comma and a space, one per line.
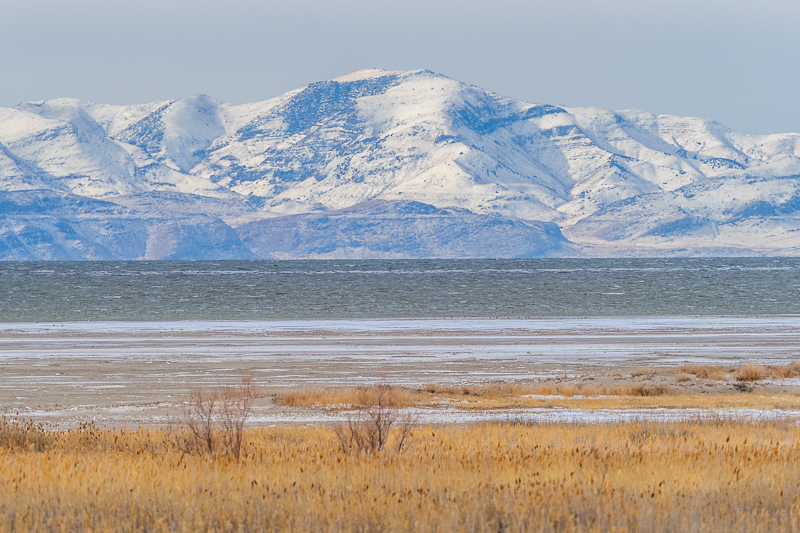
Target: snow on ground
(132, 416)
(546, 415)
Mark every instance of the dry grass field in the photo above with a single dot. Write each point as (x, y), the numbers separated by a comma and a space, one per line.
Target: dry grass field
(745, 373)
(715, 447)
(674, 476)
(542, 395)
(380, 471)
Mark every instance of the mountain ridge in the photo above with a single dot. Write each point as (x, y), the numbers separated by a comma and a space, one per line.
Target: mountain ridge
(611, 182)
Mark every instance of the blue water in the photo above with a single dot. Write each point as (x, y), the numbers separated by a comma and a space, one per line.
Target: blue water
(260, 290)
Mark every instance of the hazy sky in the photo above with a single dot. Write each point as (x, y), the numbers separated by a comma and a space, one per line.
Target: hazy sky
(734, 61)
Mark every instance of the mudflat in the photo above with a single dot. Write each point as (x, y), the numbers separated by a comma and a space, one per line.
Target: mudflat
(138, 373)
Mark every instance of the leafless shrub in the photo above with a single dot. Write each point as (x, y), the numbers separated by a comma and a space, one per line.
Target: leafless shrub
(375, 420)
(236, 404)
(680, 378)
(213, 420)
(199, 419)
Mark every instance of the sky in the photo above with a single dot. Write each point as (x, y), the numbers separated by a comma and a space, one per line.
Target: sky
(732, 61)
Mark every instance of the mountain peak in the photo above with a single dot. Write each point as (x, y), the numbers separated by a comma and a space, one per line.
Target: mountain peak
(365, 74)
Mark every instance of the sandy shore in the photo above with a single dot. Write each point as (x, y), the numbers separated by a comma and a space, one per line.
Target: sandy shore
(138, 373)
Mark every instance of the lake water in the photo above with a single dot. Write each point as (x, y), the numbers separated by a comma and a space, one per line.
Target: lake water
(268, 290)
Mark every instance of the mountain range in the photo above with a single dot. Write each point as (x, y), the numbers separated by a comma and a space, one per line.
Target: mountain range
(386, 164)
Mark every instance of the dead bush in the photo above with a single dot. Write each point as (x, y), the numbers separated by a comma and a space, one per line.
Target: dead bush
(213, 420)
(714, 372)
(681, 378)
(751, 372)
(780, 372)
(646, 373)
(236, 403)
(375, 420)
(199, 416)
(792, 370)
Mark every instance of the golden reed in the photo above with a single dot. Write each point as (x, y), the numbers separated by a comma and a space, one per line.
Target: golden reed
(652, 476)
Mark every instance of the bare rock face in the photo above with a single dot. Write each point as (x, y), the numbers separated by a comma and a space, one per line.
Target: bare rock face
(386, 164)
(394, 230)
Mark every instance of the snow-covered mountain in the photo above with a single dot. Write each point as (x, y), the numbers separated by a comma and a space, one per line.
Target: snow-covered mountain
(386, 164)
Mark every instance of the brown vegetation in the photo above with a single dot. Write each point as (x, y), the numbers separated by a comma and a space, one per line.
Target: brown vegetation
(342, 397)
(645, 372)
(375, 421)
(792, 370)
(715, 372)
(750, 373)
(213, 420)
(657, 393)
(483, 396)
(677, 476)
(745, 373)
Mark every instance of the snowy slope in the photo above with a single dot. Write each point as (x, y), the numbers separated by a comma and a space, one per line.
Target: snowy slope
(62, 143)
(614, 182)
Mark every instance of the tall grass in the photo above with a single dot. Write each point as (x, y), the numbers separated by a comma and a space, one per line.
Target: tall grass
(536, 395)
(714, 372)
(430, 394)
(750, 373)
(679, 476)
(746, 373)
